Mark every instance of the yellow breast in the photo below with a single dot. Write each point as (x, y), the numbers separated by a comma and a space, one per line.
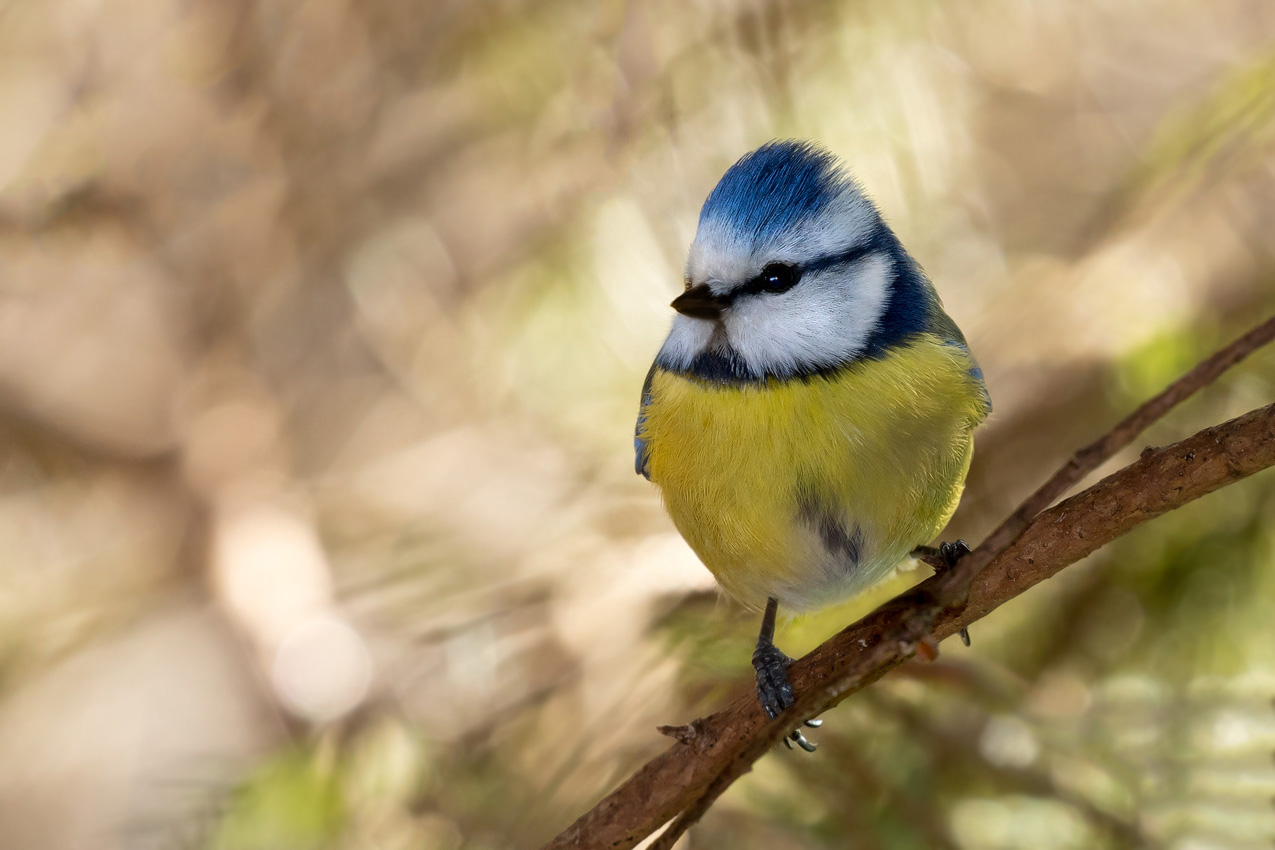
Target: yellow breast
(810, 490)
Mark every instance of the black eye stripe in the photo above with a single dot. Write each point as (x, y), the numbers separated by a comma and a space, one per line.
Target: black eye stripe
(781, 277)
(760, 284)
(833, 260)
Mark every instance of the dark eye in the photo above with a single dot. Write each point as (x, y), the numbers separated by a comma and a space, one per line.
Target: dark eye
(778, 277)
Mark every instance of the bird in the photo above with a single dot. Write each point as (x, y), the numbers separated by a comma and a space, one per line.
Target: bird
(809, 419)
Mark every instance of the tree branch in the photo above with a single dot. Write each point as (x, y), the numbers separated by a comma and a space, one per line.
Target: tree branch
(1105, 447)
(1027, 548)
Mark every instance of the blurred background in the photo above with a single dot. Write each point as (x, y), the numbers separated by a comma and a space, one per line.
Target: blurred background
(322, 326)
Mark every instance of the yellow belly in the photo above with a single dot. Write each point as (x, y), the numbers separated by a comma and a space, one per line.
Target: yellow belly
(811, 490)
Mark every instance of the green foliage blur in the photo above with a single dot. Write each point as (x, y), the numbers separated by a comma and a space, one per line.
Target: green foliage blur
(322, 326)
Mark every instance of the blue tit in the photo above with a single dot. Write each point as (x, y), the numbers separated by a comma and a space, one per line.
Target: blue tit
(809, 420)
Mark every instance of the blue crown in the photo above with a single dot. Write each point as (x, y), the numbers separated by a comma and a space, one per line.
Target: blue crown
(774, 188)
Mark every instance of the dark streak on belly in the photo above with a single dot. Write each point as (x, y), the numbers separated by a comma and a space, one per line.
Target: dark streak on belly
(845, 544)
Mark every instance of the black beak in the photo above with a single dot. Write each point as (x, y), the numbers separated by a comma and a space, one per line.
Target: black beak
(698, 302)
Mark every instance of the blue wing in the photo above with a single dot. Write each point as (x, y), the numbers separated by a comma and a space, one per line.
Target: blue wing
(977, 374)
(941, 324)
(641, 451)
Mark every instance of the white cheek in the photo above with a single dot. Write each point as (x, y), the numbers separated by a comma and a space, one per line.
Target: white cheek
(687, 338)
(823, 322)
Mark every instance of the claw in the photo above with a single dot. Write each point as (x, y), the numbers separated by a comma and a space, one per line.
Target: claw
(965, 636)
(800, 740)
(795, 736)
(953, 552)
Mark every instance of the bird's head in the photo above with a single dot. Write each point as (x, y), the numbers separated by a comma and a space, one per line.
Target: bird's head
(792, 271)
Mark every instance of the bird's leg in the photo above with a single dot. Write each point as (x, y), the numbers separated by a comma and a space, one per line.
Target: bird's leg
(771, 665)
(925, 553)
(773, 688)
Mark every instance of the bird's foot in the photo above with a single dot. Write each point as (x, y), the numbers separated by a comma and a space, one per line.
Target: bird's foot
(951, 553)
(948, 555)
(773, 689)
